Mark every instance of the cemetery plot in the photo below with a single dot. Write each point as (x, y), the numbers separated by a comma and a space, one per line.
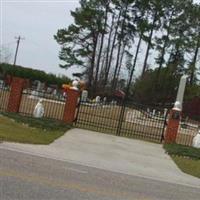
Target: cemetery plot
(129, 121)
(53, 104)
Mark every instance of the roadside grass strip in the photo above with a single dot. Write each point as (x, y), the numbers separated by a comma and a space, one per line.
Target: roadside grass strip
(16, 128)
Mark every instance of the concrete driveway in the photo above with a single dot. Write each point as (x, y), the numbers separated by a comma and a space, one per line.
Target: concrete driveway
(117, 154)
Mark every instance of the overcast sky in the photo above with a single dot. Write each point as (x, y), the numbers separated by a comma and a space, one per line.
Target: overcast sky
(37, 21)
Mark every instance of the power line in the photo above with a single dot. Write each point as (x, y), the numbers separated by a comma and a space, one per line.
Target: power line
(19, 38)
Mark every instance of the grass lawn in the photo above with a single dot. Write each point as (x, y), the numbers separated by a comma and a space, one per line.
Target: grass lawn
(16, 128)
(187, 158)
(188, 166)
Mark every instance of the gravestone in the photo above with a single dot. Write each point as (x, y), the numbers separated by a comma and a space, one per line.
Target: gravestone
(39, 86)
(104, 100)
(38, 110)
(35, 93)
(84, 95)
(54, 92)
(98, 99)
(196, 140)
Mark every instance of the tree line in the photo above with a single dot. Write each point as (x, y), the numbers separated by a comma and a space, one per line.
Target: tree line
(107, 37)
(32, 74)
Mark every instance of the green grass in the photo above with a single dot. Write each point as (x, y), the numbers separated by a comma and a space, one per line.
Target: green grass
(16, 128)
(186, 158)
(181, 150)
(188, 166)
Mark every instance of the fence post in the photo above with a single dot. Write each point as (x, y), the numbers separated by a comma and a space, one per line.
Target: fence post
(71, 105)
(173, 126)
(17, 85)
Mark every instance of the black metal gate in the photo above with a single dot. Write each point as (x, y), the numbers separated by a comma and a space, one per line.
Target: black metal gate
(124, 119)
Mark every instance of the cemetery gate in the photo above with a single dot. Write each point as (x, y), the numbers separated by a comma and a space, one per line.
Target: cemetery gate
(123, 119)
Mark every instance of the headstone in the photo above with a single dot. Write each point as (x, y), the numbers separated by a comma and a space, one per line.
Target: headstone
(84, 95)
(39, 110)
(154, 112)
(39, 86)
(112, 102)
(34, 94)
(1, 83)
(54, 92)
(104, 100)
(98, 99)
(49, 90)
(196, 140)
(148, 110)
(181, 90)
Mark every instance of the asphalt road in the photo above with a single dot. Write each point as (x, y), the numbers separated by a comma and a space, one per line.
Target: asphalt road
(27, 177)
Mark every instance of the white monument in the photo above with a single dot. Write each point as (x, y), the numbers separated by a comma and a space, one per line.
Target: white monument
(39, 110)
(180, 94)
(196, 140)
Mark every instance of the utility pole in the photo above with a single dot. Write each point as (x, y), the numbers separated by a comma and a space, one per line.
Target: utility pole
(18, 42)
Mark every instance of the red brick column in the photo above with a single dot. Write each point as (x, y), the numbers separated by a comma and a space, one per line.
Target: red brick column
(17, 85)
(172, 127)
(70, 105)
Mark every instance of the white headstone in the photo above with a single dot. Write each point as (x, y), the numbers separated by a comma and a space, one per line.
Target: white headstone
(181, 90)
(39, 86)
(34, 94)
(98, 99)
(154, 112)
(39, 110)
(196, 140)
(54, 92)
(84, 95)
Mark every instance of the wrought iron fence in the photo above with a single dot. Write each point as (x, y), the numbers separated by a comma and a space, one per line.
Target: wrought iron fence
(4, 96)
(54, 104)
(123, 118)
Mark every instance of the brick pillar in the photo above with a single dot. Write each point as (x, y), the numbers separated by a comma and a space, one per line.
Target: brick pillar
(173, 125)
(17, 85)
(70, 105)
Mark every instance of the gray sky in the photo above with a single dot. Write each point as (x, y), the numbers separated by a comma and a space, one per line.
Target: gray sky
(37, 21)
